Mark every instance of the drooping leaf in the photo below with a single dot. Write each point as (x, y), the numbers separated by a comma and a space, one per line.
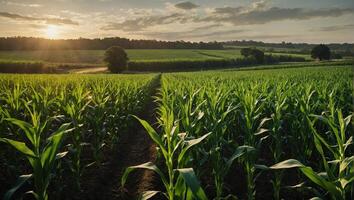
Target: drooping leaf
(287, 164)
(192, 182)
(241, 150)
(19, 146)
(26, 127)
(149, 166)
(148, 194)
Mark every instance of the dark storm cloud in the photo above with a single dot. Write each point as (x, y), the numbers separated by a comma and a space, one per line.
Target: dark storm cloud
(186, 5)
(57, 21)
(259, 14)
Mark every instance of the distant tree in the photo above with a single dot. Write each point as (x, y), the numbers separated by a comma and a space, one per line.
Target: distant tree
(257, 54)
(116, 59)
(246, 52)
(336, 56)
(321, 52)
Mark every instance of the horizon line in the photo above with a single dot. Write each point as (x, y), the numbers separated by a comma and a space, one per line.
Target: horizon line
(159, 40)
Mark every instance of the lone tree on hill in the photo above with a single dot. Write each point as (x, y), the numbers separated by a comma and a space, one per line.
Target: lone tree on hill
(321, 52)
(116, 59)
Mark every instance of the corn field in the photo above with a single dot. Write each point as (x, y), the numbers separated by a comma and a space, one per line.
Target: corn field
(266, 134)
(57, 126)
(226, 135)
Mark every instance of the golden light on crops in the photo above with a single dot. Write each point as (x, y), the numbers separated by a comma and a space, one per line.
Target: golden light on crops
(51, 31)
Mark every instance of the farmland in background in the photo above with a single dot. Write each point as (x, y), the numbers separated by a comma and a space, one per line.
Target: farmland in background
(96, 56)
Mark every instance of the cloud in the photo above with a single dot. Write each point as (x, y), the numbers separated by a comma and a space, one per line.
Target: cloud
(196, 33)
(256, 13)
(335, 28)
(37, 26)
(214, 35)
(259, 13)
(10, 3)
(48, 20)
(259, 5)
(186, 5)
(141, 23)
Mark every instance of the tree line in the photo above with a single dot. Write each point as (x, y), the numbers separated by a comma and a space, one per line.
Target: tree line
(344, 49)
(31, 43)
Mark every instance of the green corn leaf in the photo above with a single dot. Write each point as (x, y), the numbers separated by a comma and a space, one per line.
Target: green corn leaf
(20, 181)
(287, 164)
(180, 188)
(51, 149)
(148, 194)
(330, 187)
(26, 127)
(190, 144)
(261, 131)
(149, 166)
(19, 146)
(152, 133)
(315, 198)
(348, 143)
(334, 129)
(192, 182)
(345, 163)
(61, 155)
(307, 171)
(241, 150)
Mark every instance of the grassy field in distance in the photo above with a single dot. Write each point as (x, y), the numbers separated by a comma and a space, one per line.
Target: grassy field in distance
(96, 56)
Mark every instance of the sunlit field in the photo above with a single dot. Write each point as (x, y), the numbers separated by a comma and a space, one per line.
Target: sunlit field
(176, 100)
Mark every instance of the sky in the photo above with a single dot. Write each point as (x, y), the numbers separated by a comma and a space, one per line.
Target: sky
(310, 21)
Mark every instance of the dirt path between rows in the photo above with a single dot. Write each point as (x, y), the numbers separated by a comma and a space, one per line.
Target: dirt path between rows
(134, 147)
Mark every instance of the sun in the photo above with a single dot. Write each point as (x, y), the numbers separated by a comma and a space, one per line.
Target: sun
(51, 31)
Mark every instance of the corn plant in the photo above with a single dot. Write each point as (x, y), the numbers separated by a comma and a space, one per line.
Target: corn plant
(278, 105)
(41, 152)
(97, 120)
(179, 182)
(338, 177)
(252, 121)
(74, 107)
(305, 105)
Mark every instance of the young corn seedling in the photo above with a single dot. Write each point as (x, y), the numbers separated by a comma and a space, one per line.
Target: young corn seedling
(337, 159)
(179, 182)
(41, 153)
